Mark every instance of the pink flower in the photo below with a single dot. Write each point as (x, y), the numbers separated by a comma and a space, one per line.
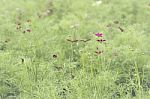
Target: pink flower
(99, 34)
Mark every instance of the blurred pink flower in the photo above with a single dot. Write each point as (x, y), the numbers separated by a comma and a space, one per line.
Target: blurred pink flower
(99, 34)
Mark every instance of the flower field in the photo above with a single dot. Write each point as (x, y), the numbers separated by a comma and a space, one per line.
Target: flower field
(74, 49)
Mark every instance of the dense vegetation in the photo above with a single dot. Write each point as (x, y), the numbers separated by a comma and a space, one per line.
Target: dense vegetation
(74, 49)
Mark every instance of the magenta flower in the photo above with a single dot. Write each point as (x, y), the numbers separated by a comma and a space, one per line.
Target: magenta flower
(101, 40)
(99, 34)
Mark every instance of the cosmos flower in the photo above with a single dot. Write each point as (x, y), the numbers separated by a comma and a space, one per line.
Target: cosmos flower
(101, 40)
(28, 30)
(54, 56)
(98, 52)
(99, 34)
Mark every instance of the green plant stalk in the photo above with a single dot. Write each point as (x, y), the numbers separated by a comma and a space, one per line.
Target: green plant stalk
(138, 80)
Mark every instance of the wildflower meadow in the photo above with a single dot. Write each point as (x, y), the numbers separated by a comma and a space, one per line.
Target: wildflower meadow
(74, 49)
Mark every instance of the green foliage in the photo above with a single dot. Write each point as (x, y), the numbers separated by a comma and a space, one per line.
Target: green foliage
(48, 49)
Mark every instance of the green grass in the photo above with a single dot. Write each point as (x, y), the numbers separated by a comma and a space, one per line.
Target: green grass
(44, 64)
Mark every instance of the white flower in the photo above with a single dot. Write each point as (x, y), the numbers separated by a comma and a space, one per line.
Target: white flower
(97, 3)
(75, 25)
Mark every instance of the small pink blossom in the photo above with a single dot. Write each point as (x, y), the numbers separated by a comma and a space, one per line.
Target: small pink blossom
(99, 34)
